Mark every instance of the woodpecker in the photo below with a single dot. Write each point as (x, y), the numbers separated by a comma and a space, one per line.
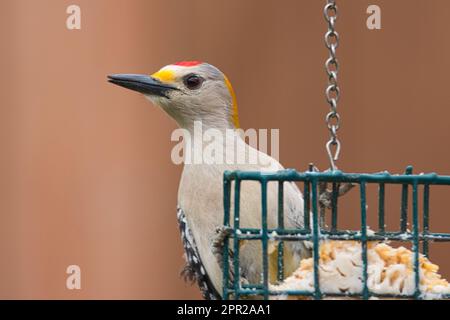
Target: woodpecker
(192, 92)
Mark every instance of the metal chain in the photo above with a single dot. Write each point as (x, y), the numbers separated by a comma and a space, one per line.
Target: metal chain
(332, 91)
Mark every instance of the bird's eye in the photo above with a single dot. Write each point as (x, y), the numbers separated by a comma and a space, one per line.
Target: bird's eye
(193, 81)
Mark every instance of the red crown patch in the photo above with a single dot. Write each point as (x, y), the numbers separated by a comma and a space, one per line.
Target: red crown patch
(187, 63)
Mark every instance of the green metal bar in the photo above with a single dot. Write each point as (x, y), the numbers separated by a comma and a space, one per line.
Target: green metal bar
(322, 188)
(280, 274)
(334, 207)
(226, 223)
(255, 291)
(265, 240)
(340, 177)
(381, 207)
(416, 248)
(306, 206)
(237, 274)
(426, 217)
(404, 206)
(365, 292)
(316, 241)
(300, 234)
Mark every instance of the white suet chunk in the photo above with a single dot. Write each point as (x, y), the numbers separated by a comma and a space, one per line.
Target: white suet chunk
(390, 271)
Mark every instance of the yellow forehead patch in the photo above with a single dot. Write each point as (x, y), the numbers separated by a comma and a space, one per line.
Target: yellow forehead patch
(164, 75)
(234, 108)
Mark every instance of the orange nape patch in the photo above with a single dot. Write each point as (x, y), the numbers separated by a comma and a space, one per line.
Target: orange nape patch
(234, 107)
(188, 63)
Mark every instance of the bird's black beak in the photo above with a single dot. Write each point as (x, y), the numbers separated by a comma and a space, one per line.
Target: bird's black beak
(142, 83)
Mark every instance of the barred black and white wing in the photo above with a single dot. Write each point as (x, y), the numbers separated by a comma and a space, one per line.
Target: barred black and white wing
(194, 269)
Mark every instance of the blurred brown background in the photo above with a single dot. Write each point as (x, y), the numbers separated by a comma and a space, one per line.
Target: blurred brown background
(86, 176)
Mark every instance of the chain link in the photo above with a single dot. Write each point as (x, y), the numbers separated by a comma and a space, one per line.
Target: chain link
(332, 91)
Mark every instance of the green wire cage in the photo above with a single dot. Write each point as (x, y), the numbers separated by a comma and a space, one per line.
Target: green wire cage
(313, 230)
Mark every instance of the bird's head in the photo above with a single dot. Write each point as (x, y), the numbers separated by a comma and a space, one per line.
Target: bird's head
(188, 91)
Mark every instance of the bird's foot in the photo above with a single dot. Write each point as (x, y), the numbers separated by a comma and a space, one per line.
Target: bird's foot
(222, 233)
(327, 196)
(188, 274)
